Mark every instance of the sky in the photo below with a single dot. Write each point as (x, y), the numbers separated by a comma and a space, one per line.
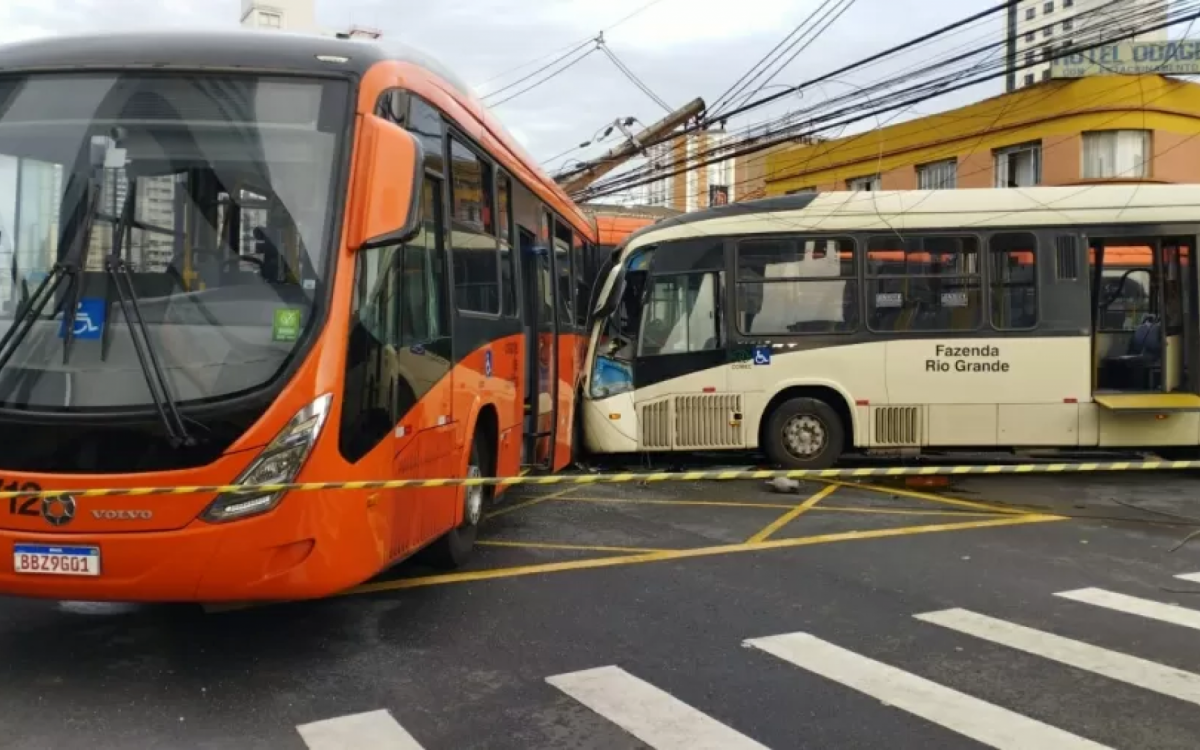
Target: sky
(680, 48)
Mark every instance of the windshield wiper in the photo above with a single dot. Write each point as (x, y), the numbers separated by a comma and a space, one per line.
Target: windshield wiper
(156, 378)
(33, 307)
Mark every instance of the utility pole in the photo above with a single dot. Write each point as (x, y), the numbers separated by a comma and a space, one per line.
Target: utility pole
(585, 174)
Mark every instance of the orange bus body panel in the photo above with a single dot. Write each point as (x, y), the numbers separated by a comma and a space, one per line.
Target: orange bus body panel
(315, 543)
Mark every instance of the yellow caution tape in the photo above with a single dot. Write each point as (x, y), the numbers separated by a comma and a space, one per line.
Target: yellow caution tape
(662, 476)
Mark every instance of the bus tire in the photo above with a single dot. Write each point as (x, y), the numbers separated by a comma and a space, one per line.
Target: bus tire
(455, 546)
(804, 433)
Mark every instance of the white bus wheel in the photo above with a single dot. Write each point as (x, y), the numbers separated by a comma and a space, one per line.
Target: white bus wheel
(804, 433)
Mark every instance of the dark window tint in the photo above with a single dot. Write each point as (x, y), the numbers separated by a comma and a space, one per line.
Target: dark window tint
(1013, 279)
(796, 285)
(508, 259)
(425, 122)
(476, 259)
(923, 283)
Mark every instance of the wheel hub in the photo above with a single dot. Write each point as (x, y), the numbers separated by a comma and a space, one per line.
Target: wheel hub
(804, 436)
(473, 510)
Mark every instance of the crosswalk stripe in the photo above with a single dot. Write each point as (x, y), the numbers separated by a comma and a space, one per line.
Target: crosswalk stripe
(1172, 613)
(653, 716)
(1193, 577)
(374, 730)
(984, 722)
(1149, 675)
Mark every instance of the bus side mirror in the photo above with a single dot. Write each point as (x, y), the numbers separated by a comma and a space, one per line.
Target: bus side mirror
(389, 178)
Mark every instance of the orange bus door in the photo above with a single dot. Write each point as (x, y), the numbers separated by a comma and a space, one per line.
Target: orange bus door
(541, 353)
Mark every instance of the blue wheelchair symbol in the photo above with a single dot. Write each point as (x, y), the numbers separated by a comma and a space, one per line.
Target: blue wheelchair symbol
(762, 355)
(487, 363)
(89, 320)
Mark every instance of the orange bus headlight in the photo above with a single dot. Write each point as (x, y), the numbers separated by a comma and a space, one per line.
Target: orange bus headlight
(279, 463)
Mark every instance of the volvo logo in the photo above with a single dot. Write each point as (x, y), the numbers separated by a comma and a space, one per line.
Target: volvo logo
(122, 515)
(58, 510)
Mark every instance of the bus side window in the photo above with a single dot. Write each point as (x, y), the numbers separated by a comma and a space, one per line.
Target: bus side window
(473, 242)
(581, 276)
(508, 259)
(923, 283)
(680, 315)
(562, 258)
(792, 286)
(1013, 279)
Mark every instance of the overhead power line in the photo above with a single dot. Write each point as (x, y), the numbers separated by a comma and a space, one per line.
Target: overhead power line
(540, 70)
(864, 63)
(545, 79)
(789, 43)
(575, 45)
(631, 76)
(1131, 24)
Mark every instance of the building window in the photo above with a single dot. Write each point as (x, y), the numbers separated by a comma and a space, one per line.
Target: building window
(1019, 166)
(1116, 153)
(1030, 14)
(1030, 57)
(870, 182)
(1046, 74)
(1029, 79)
(1047, 53)
(923, 283)
(1068, 3)
(1030, 37)
(1047, 32)
(790, 286)
(1048, 7)
(1013, 280)
(1069, 25)
(938, 175)
(270, 20)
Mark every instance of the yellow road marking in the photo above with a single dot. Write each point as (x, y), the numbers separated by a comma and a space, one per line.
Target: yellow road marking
(712, 503)
(527, 503)
(651, 557)
(582, 547)
(792, 514)
(927, 496)
(908, 512)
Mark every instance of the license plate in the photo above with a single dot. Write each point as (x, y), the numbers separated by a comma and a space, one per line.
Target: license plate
(56, 560)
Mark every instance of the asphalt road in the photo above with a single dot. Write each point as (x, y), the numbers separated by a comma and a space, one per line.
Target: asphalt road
(677, 616)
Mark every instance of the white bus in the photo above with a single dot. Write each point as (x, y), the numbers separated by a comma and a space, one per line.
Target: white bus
(812, 325)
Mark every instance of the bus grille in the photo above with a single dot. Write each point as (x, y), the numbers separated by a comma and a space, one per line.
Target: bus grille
(897, 425)
(709, 421)
(694, 421)
(656, 425)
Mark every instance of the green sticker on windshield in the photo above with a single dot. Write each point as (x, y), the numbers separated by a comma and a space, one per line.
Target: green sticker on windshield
(286, 326)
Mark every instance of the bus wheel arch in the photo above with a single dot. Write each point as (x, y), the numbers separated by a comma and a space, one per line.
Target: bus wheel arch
(820, 413)
(453, 548)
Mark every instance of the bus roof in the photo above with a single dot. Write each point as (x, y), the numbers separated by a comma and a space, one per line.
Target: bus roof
(266, 51)
(935, 209)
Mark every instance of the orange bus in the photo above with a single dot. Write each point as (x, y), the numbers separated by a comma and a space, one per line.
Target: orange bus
(287, 259)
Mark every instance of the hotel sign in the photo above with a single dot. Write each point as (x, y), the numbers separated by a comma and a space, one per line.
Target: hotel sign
(1131, 58)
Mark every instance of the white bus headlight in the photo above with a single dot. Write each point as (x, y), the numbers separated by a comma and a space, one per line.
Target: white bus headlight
(279, 463)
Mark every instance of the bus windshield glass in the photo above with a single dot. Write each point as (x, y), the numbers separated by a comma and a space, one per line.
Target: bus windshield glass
(212, 194)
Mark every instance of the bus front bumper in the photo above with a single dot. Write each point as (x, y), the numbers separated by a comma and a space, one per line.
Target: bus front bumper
(302, 549)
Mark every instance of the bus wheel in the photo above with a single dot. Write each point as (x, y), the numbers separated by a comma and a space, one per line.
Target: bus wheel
(804, 433)
(453, 549)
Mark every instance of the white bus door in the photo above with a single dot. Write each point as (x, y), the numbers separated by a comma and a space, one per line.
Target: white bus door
(1145, 325)
(682, 400)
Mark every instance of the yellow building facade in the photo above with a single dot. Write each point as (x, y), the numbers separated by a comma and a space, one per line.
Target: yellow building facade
(1060, 132)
